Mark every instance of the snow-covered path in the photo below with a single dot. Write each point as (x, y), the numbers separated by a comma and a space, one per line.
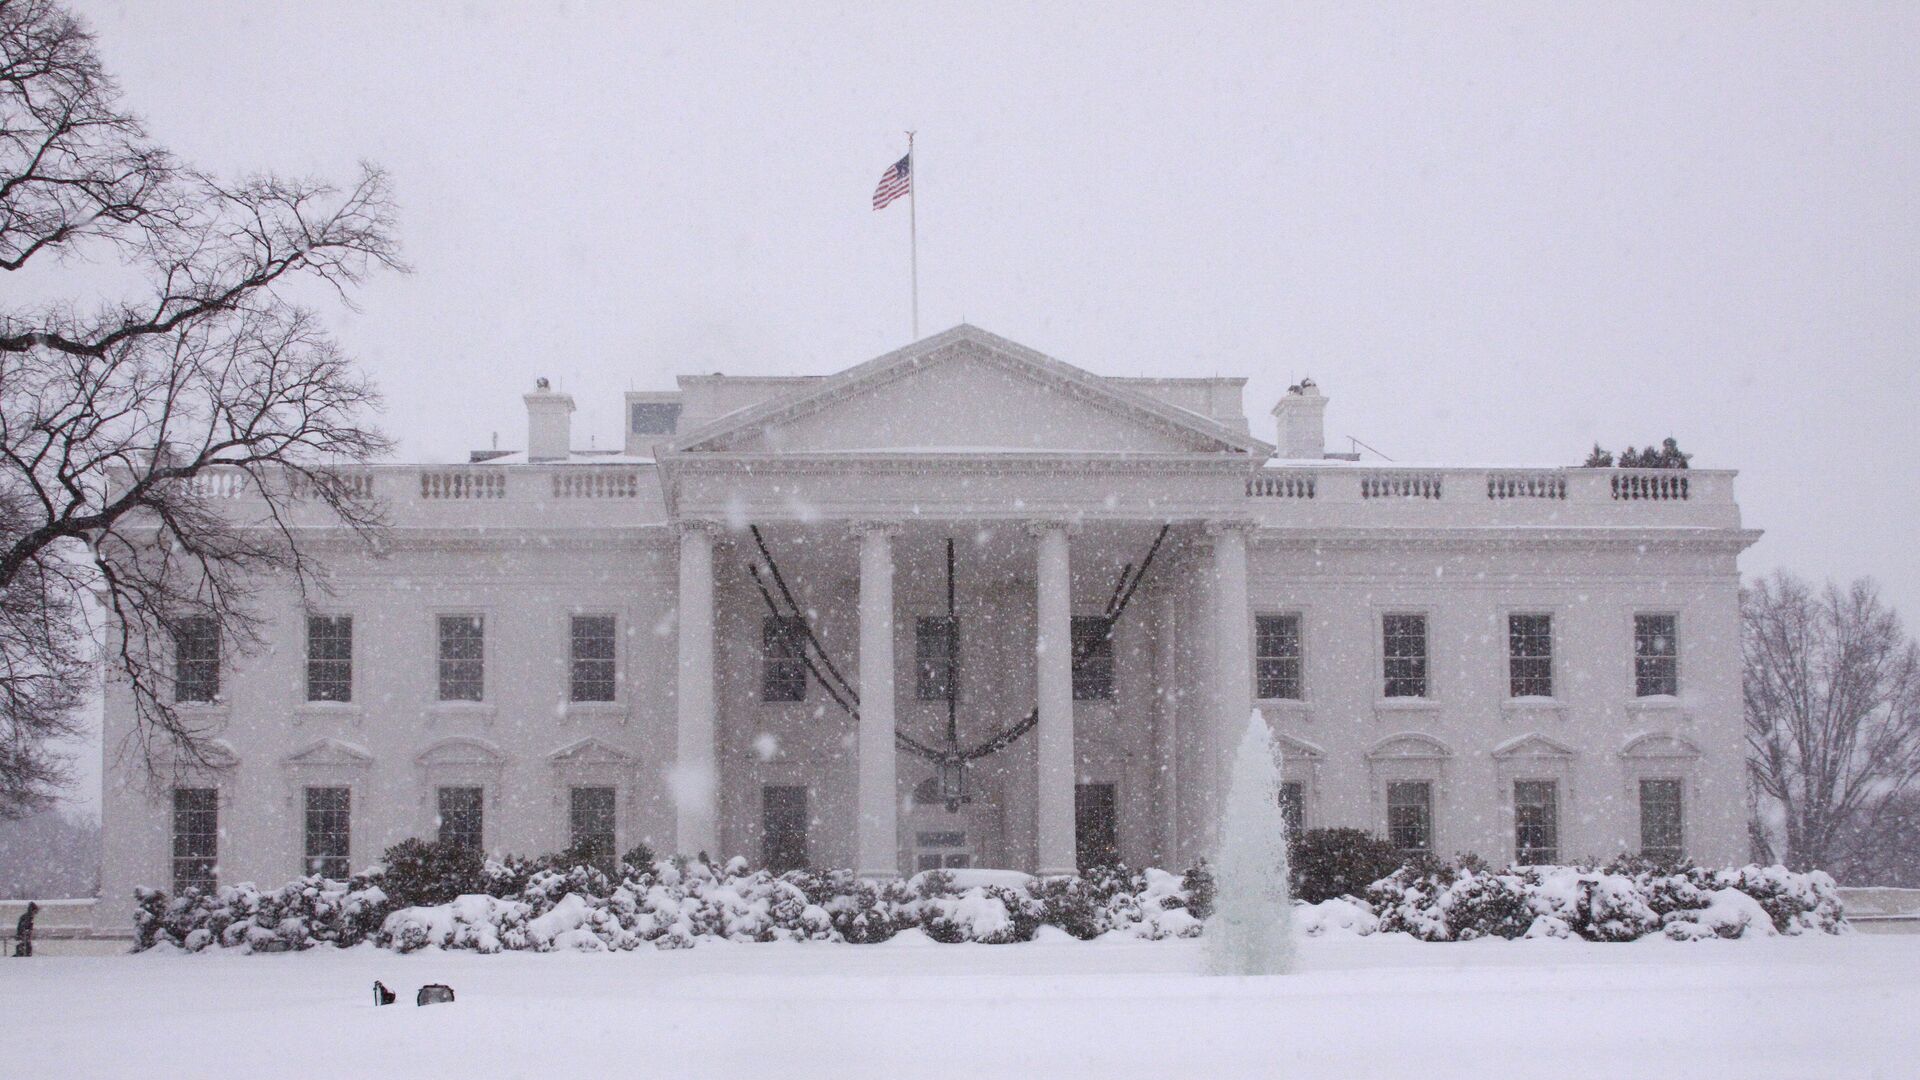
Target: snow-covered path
(1390, 1007)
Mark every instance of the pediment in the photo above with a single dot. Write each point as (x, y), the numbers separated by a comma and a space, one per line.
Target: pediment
(461, 750)
(330, 753)
(1531, 745)
(967, 392)
(590, 751)
(1659, 745)
(1294, 749)
(1409, 746)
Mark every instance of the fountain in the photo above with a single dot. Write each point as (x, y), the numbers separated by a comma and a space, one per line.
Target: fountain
(1251, 931)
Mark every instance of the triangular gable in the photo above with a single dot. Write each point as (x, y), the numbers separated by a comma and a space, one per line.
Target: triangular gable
(1533, 745)
(962, 391)
(1292, 748)
(590, 751)
(330, 753)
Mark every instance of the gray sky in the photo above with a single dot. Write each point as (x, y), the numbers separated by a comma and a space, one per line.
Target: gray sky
(1491, 233)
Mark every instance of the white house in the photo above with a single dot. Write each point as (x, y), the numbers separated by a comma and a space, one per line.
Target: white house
(559, 645)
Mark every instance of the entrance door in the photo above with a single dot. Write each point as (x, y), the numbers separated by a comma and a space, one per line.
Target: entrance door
(1096, 824)
(783, 828)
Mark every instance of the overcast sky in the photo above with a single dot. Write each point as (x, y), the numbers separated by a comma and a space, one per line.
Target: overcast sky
(1492, 234)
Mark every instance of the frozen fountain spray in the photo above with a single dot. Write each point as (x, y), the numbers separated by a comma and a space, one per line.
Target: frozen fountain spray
(1251, 931)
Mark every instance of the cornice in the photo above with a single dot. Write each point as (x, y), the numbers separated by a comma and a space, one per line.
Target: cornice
(842, 462)
(1692, 538)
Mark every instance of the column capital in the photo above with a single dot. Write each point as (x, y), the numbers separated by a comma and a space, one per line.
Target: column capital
(1223, 526)
(696, 527)
(1043, 526)
(884, 526)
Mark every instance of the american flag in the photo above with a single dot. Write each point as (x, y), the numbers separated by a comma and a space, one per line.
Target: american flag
(894, 183)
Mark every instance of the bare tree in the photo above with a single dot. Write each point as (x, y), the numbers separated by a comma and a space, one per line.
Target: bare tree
(125, 423)
(1832, 690)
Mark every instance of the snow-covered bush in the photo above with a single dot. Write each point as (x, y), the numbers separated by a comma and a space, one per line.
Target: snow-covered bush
(1338, 862)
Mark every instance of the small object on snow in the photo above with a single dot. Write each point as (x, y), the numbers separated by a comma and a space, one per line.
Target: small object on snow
(381, 995)
(434, 994)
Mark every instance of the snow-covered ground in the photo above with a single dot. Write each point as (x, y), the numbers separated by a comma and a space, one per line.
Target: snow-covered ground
(1387, 1006)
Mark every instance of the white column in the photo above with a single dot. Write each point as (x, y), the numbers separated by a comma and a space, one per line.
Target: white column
(1166, 712)
(879, 855)
(1233, 654)
(1057, 851)
(695, 783)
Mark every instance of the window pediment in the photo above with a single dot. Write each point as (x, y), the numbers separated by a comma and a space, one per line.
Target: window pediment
(330, 753)
(589, 752)
(461, 750)
(1532, 745)
(1655, 745)
(1409, 746)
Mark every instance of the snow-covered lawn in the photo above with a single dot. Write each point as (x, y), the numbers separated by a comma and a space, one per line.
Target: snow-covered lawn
(1361, 1007)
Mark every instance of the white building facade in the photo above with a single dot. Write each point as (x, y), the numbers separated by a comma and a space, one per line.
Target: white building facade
(865, 620)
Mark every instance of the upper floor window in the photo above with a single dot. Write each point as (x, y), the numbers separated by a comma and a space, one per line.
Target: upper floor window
(590, 650)
(196, 658)
(1404, 647)
(1661, 822)
(936, 640)
(329, 831)
(462, 817)
(1530, 655)
(329, 658)
(196, 838)
(1656, 656)
(1536, 822)
(1276, 657)
(783, 671)
(1092, 658)
(1410, 815)
(463, 664)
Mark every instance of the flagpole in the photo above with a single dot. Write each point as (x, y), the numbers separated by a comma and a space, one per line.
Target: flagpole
(913, 234)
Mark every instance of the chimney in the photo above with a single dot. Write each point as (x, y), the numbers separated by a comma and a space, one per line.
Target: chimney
(549, 424)
(1300, 420)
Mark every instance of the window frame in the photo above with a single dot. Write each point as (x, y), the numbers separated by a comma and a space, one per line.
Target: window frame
(785, 674)
(479, 810)
(1298, 659)
(183, 864)
(1672, 657)
(1387, 658)
(1096, 676)
(341, 860)
(1527, 854)
(930, 672)
(479, 615)
(204, 678)
(1431, 788)
(1514, 679)
(575, 660)
(310, 680)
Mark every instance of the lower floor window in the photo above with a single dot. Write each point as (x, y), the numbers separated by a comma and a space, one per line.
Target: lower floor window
(1293, 808)
(1536, 822)
(1410, 815)
(783, 834)
(196, 838)
(329, 825)
(461, 817)
(1661, 821)
(590, 823)
(1096, 815)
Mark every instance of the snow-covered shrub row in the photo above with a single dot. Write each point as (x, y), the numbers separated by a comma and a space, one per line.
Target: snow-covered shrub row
(1623, 901)
(676, 903)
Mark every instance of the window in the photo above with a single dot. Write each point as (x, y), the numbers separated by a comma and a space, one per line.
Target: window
(1661, 823)
(1410, 815)
(1276, 640)
(935, 641)
(590, 823)
(462, 815)
(196, 658)
(1536, 822)
(1530, 655)
(783, 828)
(1092, 658)
(1656, 656)
(196, 838)
(329, 658)
(1096, 826)
(590, 647)
(783, 672)
(1404, 645)
(329, 825)
(463, 665)
(1293, 807)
